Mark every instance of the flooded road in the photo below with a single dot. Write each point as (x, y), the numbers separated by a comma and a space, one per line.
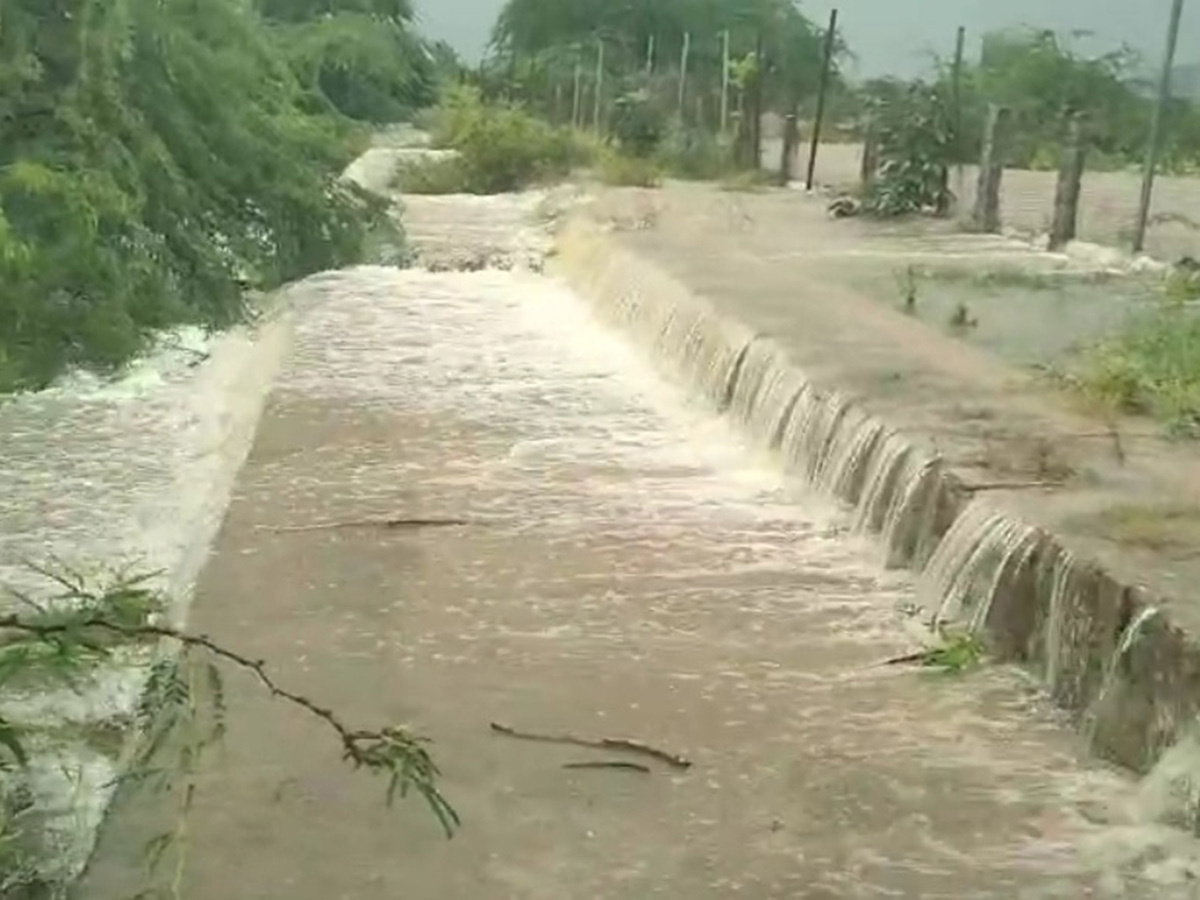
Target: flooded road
(628, 569)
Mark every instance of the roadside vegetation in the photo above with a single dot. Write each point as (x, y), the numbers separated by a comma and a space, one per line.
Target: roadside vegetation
(495, 148)
(158, 154)
(1150, 368)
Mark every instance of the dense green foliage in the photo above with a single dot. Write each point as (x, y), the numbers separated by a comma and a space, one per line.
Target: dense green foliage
(498, 147)
(157, 152)
(360, 55)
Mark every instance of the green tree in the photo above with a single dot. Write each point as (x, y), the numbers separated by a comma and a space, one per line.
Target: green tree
(154, 154)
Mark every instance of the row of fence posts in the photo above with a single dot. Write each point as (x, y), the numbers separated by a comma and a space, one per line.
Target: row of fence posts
(985, 213)
(984, 216)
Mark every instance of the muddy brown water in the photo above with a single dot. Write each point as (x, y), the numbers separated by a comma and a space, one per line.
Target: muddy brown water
(631, 569)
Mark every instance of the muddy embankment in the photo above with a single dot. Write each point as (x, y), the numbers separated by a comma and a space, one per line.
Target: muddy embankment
(1104, 647)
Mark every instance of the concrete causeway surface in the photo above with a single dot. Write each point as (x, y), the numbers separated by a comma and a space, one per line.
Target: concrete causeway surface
(628, 568)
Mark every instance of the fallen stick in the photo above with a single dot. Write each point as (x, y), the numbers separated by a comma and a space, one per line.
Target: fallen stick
(370, 523)
(1010, 486)
(609, 764)
(670, 759)
(906, 659)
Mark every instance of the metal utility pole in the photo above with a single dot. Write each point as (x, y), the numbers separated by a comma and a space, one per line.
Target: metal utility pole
(683, 69)
(1156, 128)
(599, 86)
(725, 81)
(826, 65)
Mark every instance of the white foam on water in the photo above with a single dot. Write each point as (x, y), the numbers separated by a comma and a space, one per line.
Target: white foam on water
(101, 474)
(606, 438)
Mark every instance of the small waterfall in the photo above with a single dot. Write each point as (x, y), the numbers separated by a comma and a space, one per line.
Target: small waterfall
(766, 393)
(1130, 680)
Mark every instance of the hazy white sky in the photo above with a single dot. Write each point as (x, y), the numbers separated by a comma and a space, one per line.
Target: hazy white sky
(896, 36)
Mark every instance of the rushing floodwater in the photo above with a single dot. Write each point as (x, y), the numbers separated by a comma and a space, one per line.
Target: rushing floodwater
(131, 475)
(637, 570)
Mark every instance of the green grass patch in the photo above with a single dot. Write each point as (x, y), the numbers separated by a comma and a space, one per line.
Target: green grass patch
(617, 169)
(1151, 368)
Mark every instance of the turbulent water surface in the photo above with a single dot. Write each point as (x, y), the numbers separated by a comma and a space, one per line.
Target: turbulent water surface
(630, 567)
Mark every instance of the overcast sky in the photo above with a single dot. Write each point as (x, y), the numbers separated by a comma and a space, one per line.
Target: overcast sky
(896, 36)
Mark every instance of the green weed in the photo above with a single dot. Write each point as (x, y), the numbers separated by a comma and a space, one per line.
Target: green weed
(1152, 368)
(955, 652)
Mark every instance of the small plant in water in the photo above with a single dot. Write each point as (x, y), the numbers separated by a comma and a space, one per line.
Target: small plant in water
(907, 282)
(956, 652)
(962, 319)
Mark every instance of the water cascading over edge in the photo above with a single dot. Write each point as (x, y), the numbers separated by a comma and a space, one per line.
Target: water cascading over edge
(1130, 679)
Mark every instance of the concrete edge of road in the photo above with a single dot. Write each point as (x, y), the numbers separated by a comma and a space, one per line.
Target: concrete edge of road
(73, 780)
(1106, 652)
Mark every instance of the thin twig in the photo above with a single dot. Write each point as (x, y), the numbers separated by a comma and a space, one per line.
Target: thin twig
(370, 523)
(670, 759)
(609, 764)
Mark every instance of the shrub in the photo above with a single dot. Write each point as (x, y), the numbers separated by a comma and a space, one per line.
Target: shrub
(916, 145)
(693, 154)
(502, 148)
(431, 175)
(636, 124)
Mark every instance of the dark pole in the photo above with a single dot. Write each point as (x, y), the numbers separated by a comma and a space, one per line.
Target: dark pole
(826, 64)
(760, 73)
(956, 89)
(1156, 128)
(956, 86)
